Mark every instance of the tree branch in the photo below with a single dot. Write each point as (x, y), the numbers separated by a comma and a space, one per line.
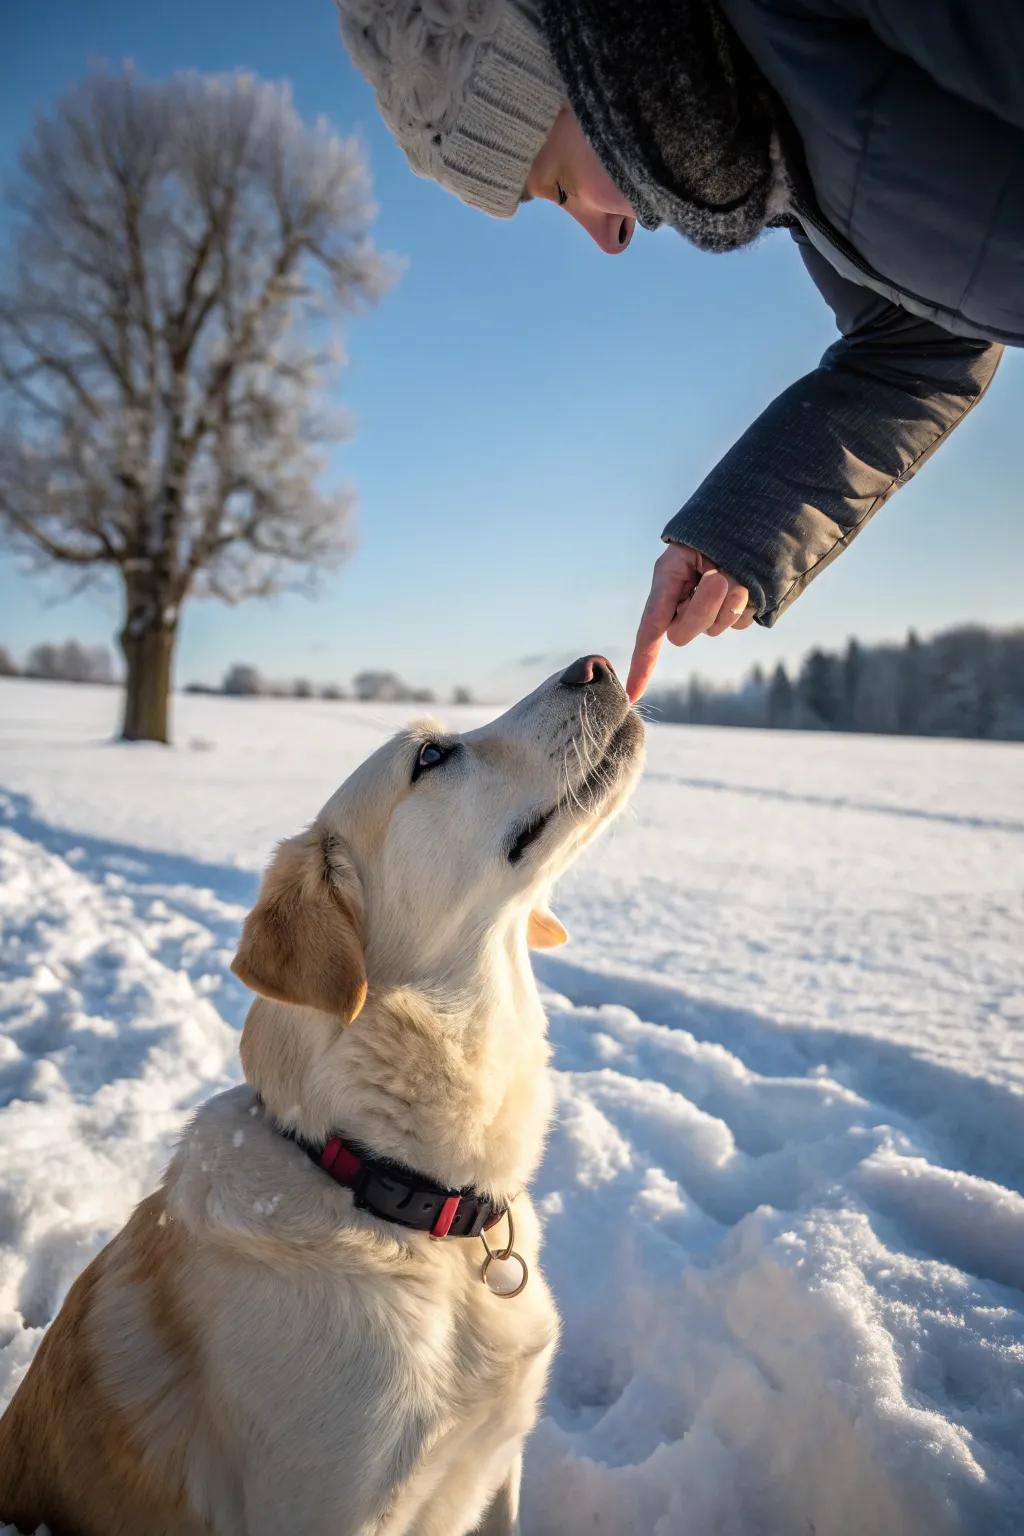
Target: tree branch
(55, 548)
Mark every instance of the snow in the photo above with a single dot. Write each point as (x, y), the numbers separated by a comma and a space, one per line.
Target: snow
(785, 1219)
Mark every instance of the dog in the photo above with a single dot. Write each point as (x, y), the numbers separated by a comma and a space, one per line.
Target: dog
(330, 1319)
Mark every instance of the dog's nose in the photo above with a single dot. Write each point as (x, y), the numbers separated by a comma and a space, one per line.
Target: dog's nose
(587, 670)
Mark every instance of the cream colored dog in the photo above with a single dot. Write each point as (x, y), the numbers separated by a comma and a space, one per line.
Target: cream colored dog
(257, 1351)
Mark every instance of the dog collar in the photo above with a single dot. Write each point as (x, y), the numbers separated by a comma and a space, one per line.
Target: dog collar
(399, 1194)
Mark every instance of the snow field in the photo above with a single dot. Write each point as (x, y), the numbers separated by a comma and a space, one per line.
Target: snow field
(783, 1196)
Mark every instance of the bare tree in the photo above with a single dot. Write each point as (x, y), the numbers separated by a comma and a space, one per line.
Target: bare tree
(178, 248)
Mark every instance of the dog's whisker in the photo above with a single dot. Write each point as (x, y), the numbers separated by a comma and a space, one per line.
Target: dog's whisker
(574, 798)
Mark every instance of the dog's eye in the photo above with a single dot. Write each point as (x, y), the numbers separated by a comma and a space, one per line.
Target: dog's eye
(429, 756)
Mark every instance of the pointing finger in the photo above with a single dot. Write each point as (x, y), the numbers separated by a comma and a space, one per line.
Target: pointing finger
(645, 657)
(668, 587)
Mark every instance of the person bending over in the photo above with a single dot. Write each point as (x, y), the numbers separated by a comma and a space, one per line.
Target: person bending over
(886, 136)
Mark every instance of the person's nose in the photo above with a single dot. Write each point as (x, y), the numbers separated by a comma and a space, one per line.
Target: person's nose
(611, 231)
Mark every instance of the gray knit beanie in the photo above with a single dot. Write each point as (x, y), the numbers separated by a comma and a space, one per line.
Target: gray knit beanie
(467, 87)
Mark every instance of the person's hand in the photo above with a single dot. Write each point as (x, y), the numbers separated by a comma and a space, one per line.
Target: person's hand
(690, 596)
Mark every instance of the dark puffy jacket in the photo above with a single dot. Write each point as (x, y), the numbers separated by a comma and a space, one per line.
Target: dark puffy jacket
(907, 155)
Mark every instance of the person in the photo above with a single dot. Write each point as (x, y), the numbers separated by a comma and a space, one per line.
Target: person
(887, 137)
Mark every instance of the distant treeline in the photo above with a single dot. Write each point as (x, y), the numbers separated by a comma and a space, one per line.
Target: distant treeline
(74, 662)
(965, 682)
(71, 662)
(243, 681)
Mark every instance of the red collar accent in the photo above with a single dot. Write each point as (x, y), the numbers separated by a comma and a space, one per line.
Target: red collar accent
(399, 1194)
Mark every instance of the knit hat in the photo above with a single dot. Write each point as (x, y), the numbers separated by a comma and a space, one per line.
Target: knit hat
(467, 87)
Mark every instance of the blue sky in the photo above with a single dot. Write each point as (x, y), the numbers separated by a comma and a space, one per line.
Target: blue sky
(529, 413)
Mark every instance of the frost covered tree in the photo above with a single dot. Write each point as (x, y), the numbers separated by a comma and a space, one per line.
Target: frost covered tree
(43, 661)
(1008, 724)
(820, 689)
(696, 701)
(913, 684)
(71, 662)
(853, 677)
(780, 699)
(177, 248)
(379, 687)
(243, 682)
(960, 695)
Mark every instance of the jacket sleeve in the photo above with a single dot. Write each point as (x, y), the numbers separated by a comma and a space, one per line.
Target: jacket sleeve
(818, 463)
(972, 48)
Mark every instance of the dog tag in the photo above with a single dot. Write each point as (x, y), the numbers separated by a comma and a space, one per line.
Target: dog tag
(504, 1274)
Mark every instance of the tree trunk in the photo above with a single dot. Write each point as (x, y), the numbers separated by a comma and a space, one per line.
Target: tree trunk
(147, 641)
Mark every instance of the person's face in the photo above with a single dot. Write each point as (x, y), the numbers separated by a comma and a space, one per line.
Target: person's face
(567, 172)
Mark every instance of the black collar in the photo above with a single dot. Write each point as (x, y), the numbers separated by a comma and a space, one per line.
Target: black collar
(399, 1194)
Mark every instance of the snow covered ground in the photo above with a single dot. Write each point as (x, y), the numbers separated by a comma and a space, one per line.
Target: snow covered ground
(785, 1218)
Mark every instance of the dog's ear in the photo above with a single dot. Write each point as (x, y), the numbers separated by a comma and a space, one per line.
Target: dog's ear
(302, 942)
(543, 930)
